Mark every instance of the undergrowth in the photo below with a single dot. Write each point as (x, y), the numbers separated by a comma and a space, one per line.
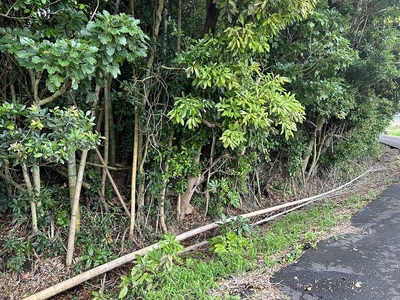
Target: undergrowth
(238, 248)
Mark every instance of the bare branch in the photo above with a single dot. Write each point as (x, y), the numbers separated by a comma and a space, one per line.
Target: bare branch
(58, 93)
(95, 10)
(211, 125)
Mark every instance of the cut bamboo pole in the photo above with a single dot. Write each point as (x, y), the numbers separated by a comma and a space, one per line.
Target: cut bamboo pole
(74, 281)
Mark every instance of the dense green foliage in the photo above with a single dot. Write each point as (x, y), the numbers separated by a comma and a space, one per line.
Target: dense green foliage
(218, 105)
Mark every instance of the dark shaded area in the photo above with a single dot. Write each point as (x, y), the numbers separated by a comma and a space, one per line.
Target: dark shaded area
(210, 26)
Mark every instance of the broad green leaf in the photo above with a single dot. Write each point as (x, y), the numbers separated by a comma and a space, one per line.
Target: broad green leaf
(110, 50)
(123, 292)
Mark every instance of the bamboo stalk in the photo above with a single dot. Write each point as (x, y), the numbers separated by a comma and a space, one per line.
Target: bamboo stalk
(134, 175)
(74, 281)
(121, 167)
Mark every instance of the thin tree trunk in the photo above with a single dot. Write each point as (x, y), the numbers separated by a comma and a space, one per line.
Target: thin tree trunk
(209, 175)
(77, 193)
(28, 183)
(132, 7)
(311, 148)
(142, 154)
(164, 189)
(72, 177)
(117, 6)
(192, 182)
(100, 118)
(178, 207)
(210, 25)
(111, 127)
(258, 186)
(36, 184)
(179, 27)
(75, 209)
(318, 139)
(112, 144)
(165, 29)
(3, 87)
(9, 178)
(13, 93)
(134, 173)
(106, 136)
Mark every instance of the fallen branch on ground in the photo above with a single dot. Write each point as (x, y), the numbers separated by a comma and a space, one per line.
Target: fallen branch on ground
(78, 279)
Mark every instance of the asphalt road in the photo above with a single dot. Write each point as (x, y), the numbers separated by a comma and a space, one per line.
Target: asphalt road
(362, 266)
(391, 141)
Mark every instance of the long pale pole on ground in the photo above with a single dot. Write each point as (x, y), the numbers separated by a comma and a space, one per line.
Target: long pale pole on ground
(74, 281)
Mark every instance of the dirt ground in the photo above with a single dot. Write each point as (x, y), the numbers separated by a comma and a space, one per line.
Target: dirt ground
(249, 285)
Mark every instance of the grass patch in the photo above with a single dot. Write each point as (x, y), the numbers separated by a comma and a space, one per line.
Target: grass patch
(195, 278)
(393, 130)
(282, 242)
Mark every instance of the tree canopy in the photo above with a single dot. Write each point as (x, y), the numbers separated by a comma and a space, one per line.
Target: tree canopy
(184, 107)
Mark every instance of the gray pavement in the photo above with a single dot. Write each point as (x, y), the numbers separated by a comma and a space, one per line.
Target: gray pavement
(360, 266)
(391, 141)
